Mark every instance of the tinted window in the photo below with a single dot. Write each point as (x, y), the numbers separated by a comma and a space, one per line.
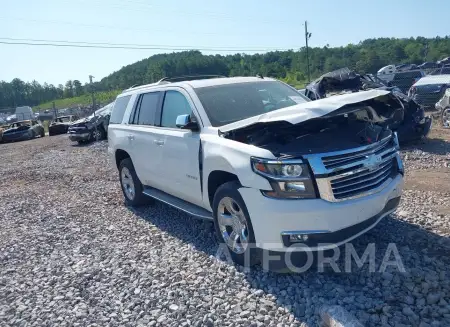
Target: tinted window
(119, 109)
(175, 104)
(147, 109)
(228, 103)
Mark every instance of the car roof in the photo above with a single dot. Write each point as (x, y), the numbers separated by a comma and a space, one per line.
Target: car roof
(433, 79)
(199, 83)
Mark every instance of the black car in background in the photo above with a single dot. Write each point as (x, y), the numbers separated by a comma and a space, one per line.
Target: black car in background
(61, 125)
(92, 128)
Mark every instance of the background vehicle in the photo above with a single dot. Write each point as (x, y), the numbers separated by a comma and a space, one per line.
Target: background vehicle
(428, 65)
(428, 90)
(24, 113)
(444, 70)
(23, 130)
(404, 80)
(242, 151)
(92, 128)
(413, 126)
(61, 125)
(386, 73)
(443, 106)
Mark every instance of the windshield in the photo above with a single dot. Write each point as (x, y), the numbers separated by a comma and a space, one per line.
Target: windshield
(225, 104)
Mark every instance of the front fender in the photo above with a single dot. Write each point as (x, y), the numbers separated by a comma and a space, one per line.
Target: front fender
(232, 157)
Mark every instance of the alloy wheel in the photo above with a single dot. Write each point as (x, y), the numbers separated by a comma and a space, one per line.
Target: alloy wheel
(127, 183)
(233, 225)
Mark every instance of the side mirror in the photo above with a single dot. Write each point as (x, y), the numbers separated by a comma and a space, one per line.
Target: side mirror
(187, 122)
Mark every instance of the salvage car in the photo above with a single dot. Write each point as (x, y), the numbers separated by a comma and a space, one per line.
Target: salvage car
(61, 125)
(92, 128)
(272, 176)
(414, 125)
(428, 90)
(23, 130)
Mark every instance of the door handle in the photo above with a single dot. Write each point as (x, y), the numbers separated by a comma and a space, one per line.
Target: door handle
(130, 137)
(159, 142)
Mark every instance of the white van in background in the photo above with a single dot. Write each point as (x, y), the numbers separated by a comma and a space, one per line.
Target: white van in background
(24, 113)
(387, 73)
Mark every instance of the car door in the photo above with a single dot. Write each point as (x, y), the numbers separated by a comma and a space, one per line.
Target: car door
(145, 152)
(179, 168)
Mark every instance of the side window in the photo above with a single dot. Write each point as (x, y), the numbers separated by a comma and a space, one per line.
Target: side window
(148, 105)
(175, 104)
(119, 109)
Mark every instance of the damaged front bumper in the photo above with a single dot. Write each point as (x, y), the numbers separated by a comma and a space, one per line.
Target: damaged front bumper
(75, 137)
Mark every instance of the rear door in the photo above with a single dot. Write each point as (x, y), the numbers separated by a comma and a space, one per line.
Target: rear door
(179, 168)
(146, 153)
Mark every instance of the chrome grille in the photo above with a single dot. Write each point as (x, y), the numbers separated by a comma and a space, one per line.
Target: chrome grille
(348, 186)
(357, 172)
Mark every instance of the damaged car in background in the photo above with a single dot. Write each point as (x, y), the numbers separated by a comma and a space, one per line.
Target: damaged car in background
(23, 130)
(415, 124)
(92, 128)
(61, 125)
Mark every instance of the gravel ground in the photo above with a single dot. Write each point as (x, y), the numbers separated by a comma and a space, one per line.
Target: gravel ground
(73, 255)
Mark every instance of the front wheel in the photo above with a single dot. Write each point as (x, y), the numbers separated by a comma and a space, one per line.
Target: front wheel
(233, 226)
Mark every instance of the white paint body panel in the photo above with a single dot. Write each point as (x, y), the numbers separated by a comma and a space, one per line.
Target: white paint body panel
(271, 217)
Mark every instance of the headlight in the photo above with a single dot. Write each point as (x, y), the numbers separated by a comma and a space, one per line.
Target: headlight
(288, 178)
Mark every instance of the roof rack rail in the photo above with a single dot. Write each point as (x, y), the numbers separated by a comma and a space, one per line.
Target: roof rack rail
(188, 78)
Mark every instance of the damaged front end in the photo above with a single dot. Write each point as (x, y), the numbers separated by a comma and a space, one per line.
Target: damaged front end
(346, 143)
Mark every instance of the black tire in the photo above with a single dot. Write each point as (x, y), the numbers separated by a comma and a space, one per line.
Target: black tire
(80, 142)
(251, 256)
(443, 115)
(139, 198)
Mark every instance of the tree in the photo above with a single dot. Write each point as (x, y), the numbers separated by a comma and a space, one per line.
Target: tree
(68, 90)
(78, 88)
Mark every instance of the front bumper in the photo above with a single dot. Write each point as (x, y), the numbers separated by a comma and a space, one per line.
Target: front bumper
(334, 223)
(79, 136)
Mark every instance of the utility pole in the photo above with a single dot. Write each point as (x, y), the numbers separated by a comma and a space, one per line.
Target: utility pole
(307, 36)
(92, 92)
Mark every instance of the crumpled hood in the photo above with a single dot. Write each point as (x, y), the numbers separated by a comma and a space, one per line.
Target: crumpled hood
(308, 110)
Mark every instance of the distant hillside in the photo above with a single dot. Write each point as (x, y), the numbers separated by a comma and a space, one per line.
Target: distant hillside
(290, 66)
(103, 97)
(367, 56)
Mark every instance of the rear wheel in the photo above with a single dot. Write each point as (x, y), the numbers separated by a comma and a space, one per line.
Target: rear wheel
(233, 226)
(131, 185)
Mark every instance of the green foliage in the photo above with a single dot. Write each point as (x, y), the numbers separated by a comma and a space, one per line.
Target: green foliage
(103, 97)
(290, 66)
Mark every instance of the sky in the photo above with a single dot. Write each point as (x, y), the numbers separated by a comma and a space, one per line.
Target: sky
(237, 25)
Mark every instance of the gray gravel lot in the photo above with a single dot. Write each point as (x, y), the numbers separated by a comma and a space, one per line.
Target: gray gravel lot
(72, 254)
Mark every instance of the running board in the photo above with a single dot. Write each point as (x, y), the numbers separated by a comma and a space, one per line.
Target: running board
(173, 201)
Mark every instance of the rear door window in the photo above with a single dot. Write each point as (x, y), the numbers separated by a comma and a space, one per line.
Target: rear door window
(119, 109)
(175, 104)
(148, 106)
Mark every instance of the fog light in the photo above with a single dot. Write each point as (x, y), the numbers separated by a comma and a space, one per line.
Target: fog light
(298, 237)
(295, 187)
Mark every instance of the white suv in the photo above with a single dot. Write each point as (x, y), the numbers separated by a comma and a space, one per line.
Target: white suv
(270, 168)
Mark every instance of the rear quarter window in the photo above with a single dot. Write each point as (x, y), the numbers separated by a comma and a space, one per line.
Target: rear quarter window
(119, 109)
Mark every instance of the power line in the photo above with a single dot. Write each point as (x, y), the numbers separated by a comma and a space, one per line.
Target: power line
(149, 47)
(163, 46)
